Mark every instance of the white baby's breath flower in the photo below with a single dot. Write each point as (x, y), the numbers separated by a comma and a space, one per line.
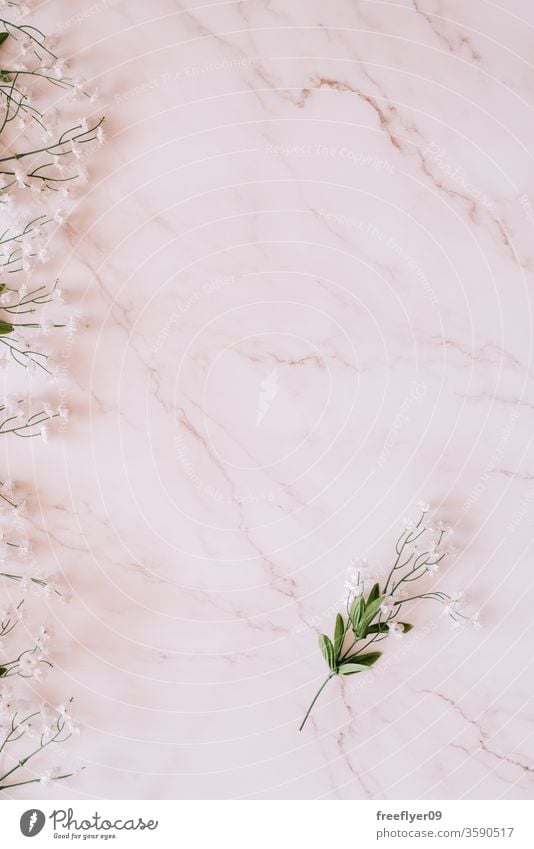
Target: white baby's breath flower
(50, 775)
(388, 605)
(396, 628)
(20, 176)
(76, 149)
(59, 67)
(353, 584)
(423, 506)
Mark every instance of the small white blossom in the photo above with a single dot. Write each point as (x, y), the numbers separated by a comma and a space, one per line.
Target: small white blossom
(49, 775)
(59, 67)
(388, 605)
(76, 149)
(20, 176)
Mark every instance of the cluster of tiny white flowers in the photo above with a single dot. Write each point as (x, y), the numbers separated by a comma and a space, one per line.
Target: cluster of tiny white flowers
(43, 163)
(39, 178)
(375, 607)
(425, 543)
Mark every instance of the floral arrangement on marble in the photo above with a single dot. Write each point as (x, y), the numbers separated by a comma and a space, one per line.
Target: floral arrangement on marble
(40, 162)
(374, 611)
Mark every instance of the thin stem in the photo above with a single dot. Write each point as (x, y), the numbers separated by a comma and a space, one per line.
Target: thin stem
(35, 780)
(409, 538)
(318, 693)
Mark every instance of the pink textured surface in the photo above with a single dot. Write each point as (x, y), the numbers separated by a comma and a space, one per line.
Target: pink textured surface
(304, 267)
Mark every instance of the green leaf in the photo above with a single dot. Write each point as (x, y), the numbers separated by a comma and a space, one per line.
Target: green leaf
(356, 610)
(2, 287)
(5, 328)
(367, 659)
(351, 668)
(327, 649)
(370, 612)
(373, 595)
(3, 36)
(372, 607)
(3, 671)
(339, 634)
(4, 76)
(378, 628)
(406, 627)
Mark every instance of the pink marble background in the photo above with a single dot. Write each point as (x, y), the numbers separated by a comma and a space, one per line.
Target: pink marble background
(304, 270)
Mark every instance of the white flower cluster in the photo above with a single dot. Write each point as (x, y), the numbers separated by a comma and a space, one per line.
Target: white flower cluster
(374, 605)
(42, 162)
(41, 165)
(420, 549)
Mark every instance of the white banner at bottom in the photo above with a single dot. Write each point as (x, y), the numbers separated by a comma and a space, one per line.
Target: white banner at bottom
(268, 824)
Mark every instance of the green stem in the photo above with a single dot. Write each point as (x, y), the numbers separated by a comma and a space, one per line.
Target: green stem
(318, 693)
(35, 781)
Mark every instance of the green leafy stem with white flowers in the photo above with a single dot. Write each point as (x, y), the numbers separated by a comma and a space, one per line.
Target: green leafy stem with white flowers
(372, 616)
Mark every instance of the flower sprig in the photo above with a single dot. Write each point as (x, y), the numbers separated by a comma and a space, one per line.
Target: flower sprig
(28, 663)
(30, 37)
(66, 143)
(373, 609)
(14, 419)
(42, 157)
(48, 727)
(15, 303)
